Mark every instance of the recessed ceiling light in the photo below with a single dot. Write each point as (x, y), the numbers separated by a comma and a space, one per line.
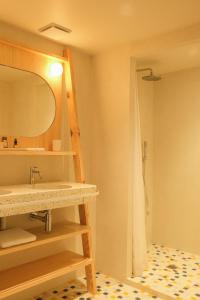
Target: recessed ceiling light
(55, 31)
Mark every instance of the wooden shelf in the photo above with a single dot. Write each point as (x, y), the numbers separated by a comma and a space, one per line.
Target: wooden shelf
(36, 153)
(28, 275)
(60, 231)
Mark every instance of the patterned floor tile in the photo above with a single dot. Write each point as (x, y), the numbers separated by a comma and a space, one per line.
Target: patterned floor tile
(107, 289)
(172, 272)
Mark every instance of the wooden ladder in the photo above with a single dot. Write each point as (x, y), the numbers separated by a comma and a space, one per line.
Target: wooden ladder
(79, 169)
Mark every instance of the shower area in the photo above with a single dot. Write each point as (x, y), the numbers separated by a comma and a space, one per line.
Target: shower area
(168, 94)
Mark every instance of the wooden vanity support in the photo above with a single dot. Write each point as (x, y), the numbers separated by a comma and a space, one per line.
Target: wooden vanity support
(28, 199)
(17, 279)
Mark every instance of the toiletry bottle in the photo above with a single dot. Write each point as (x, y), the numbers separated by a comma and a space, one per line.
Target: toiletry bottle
(5, 141)
(15, 143)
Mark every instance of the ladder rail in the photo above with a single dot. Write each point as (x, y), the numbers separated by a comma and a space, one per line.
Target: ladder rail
(79, 168)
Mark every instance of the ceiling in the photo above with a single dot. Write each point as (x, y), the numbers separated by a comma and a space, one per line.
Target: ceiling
(100, 24)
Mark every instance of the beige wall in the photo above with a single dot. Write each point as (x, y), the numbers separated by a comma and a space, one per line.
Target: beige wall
(170, 123)
(15, 35)
(110, 159)
(177, 122)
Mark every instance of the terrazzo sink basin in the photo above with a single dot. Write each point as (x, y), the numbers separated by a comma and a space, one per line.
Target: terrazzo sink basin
(51, 186)
(22, 199)
(5, 192)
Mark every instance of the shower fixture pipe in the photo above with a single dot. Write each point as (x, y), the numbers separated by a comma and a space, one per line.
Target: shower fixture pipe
(145, 69)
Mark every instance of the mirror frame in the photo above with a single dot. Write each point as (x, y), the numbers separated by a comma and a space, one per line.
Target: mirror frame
(33, 61)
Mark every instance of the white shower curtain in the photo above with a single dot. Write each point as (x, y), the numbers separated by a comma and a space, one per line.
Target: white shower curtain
(139, 244)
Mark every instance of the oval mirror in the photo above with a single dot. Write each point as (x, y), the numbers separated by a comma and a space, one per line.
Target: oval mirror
(27, 103)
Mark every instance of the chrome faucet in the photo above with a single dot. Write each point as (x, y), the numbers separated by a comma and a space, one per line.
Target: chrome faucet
(33, 172)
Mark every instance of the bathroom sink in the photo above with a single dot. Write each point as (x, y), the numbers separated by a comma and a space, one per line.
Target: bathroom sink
(25, 198)
(53, 186)
(4, 192)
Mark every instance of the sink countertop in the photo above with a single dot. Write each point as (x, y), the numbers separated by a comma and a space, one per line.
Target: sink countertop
(24, 199)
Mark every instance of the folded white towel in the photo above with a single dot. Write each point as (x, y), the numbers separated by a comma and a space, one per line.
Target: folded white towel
(15, 236)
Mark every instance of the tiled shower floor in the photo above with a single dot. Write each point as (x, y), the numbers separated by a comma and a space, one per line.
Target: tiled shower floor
(107, 287)
(172, 272)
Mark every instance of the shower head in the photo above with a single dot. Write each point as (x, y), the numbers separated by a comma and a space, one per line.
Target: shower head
(151, 76)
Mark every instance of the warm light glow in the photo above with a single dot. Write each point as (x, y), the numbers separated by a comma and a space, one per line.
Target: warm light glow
(56, 69)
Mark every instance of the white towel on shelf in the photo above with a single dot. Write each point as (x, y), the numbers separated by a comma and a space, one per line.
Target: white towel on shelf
(15, 236)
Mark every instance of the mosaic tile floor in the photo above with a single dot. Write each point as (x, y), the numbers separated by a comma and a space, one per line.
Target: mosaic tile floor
(107, 287)
(172, 272)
